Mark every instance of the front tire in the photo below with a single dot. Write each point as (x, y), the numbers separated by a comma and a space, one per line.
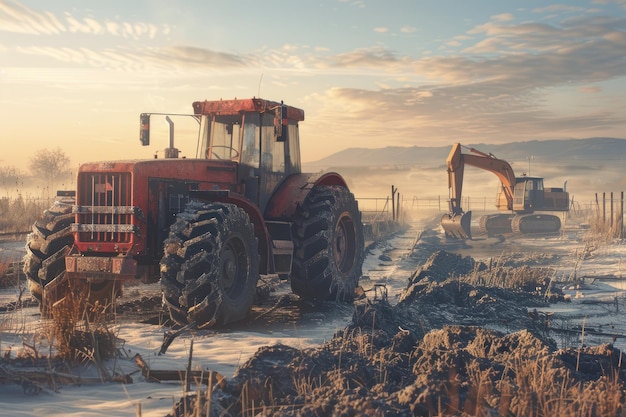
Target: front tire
(210, 266)
(329, 245)
(46, 247)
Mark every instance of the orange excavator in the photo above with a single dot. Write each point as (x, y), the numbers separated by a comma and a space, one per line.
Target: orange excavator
(521, 196)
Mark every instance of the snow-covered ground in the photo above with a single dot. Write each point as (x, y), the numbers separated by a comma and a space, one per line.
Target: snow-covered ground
(596, 305)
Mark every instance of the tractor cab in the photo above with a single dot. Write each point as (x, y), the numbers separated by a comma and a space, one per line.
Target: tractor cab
(261, 137)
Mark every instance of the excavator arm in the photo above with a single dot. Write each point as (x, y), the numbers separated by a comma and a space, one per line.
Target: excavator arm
(456, 224)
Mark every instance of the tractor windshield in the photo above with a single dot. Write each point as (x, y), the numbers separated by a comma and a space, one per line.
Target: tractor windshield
(225, 138)
(250, 139)
(229, 140)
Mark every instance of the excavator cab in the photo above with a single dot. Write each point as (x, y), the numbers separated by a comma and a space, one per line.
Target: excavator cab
(528, 194)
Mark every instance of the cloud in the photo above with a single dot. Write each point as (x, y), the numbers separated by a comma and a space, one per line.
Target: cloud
(495, 85)
(17, 18)
(441, 115)
(186, 55)
(354, 3)
(621, 3)
(521, 57)
(503, 17)
(558, 8)
(578, 50)
(166, 58)
(493, 90)
(364, 57)
(589, 89)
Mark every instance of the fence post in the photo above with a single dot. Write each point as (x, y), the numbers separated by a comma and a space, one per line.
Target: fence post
(611, 211)
(393, 202)
(398, 207)
(621, 216)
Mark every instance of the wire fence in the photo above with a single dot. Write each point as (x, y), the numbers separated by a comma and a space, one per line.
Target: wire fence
(18, 214)
(606, 207)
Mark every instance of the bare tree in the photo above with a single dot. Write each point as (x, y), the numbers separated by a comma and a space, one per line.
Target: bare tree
(50, 165)
(9, 178)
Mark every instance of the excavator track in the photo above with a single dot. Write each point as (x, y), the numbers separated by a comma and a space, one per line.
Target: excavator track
(536, 223)
(496, 224)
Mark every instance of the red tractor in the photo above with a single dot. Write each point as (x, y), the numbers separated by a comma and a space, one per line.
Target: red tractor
(206, 227)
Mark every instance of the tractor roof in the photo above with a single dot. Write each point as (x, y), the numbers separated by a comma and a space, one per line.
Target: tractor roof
(237, 106)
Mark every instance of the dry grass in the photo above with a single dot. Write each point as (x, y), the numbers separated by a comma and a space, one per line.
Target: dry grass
(5, 279)
(378, 229)
(11, 274)
(79, 331)
(603, 230)
(535, 387)
(19, 214)
(12, 320)
(501, 276)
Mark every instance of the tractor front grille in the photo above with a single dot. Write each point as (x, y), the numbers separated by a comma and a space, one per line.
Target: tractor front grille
(104, 208)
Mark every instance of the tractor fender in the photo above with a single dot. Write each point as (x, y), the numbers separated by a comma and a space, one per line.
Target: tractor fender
(260, 228)
(294, 190)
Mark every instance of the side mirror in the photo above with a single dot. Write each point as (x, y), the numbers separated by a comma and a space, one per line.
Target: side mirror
(280, 123)
(144, 129)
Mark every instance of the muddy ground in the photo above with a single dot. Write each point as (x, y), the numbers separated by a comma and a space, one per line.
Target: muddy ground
(466, 338)
(462, 338)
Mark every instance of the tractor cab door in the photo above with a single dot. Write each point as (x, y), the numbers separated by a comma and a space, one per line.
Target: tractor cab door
(279, 156)
(265, 158)
(262, 164)
(273, 167)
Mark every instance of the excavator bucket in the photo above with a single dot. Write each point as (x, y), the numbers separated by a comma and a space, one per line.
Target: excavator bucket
(457, 226)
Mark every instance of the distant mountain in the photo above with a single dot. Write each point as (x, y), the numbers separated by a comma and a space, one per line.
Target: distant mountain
(541, 150)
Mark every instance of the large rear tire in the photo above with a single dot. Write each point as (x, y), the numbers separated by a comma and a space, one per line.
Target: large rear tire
(329, 245)
(46, 247)
(210, 266)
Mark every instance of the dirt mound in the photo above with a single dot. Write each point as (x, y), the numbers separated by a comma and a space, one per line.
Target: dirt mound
(450, 289)
(447, 348)
(441, 265)
(439, 304)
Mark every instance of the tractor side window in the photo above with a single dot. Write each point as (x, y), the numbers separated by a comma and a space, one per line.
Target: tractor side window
(272, 151)
(294, 148)
(225, 139)
(250, 151)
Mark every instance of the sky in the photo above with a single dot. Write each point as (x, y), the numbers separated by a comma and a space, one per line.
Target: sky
(76, 75)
